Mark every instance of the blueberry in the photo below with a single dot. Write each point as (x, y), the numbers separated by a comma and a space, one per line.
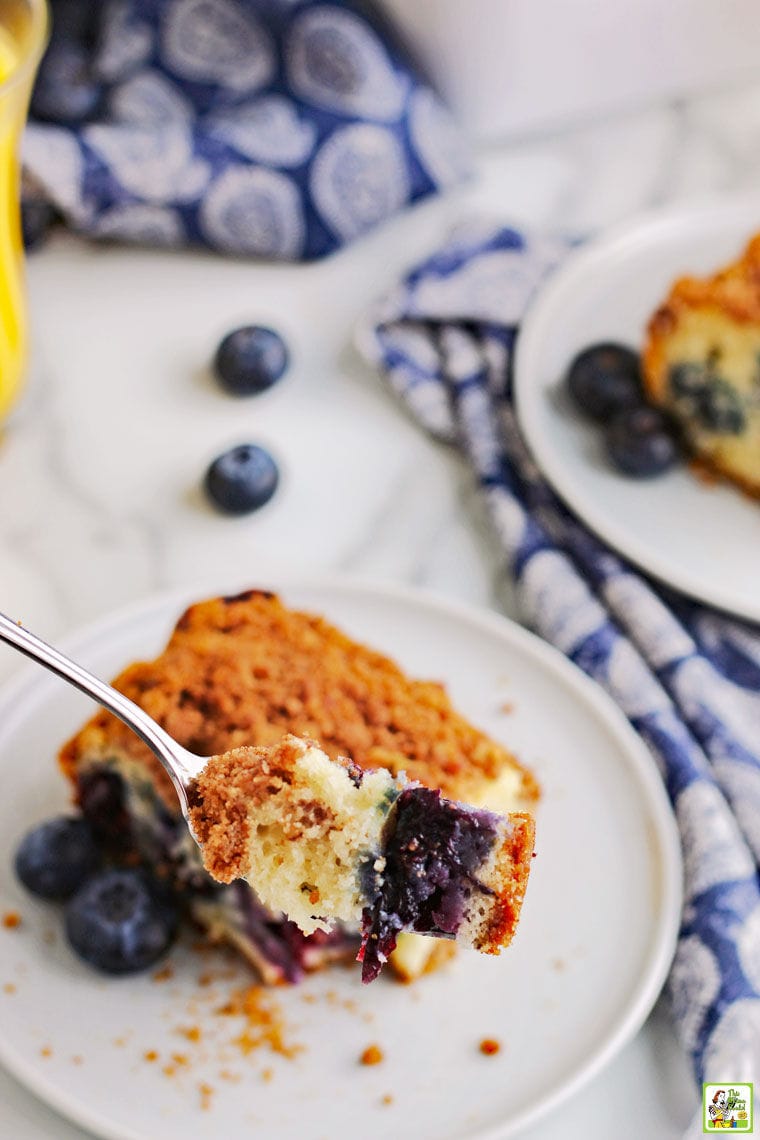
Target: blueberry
(687, 380)
(65, 91)
(720, 409)
(250, 360)
(605, 379)
(701, 394)
(242, 479)
(119, 922)
(641, 442)
(55, 858)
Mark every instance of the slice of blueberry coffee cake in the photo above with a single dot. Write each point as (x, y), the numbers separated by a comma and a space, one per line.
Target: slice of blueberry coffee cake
(326, 841)
(701, 363)
(244, 671)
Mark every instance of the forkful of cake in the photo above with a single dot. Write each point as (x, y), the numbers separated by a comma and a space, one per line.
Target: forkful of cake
(326, 841)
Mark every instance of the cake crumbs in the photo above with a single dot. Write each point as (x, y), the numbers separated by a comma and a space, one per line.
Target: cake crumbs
(150, 1055)
(507, 707)
(9, 988)
(266, 1075)
(386, 1099)
(178, 1061)
(559, 964)
(164, 974)
(206, 1092)
(11, 920)
(489, 1046)
(77, 1059)
(700, 470)
(233, 1078)
(372, 1055)
(264, 1023)
(190, 1032)
(46, 1051)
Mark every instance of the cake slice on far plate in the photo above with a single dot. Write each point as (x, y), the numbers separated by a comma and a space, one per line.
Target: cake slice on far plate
(701, 363)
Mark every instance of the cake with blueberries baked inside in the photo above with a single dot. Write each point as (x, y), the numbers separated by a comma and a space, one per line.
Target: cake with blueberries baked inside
(326, 841)
(240, 673)
(701, 363)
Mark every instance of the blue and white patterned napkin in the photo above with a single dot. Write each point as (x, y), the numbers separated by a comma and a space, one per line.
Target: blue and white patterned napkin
(277, 128)
(687, 677)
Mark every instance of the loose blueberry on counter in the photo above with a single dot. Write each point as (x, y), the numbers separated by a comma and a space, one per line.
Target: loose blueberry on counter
(250, 360)
(242, 479)
(641, 442)
(119, 923)
(604, 379)
(55, 858)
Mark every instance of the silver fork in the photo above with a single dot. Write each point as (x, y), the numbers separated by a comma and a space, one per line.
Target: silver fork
(181, 765)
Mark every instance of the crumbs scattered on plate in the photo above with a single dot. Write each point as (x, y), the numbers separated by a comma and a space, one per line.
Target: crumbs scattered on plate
(11, 920)
(372, 1055)
(489, 1046)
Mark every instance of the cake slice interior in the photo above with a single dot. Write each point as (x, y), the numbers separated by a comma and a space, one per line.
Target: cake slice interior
(326, 841)
(243, 671)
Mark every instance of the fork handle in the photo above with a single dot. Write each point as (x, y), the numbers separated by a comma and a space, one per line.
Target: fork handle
(175, 759)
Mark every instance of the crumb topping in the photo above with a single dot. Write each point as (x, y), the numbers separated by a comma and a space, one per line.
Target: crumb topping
(245, 670)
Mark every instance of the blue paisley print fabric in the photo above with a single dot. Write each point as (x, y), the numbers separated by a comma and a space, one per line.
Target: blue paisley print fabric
(687, 677)
(272, 128)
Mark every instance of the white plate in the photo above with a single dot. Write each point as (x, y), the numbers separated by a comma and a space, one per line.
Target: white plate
(595, 941)
(703, 540)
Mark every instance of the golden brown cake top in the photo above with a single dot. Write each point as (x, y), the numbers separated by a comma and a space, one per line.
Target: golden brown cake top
(733, 290)
(244, 670)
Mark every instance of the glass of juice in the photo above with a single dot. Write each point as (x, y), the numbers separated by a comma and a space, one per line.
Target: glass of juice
(23, 37)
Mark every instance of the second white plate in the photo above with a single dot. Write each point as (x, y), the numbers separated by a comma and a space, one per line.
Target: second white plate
(137, 1059)
(703, 540)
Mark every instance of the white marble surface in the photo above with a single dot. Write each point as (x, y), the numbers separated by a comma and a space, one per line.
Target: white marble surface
(100, 466)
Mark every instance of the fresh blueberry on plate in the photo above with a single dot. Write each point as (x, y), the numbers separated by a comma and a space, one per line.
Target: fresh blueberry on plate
(242, 479)
(120, 923)
(250, 360)
(641, 442)
(605, 379)
(56, 857)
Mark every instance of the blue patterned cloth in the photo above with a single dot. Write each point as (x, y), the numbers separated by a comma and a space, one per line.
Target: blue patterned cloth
(687, 677)
(277, 128)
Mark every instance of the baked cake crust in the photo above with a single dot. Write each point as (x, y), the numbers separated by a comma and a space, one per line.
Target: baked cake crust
(245, 670)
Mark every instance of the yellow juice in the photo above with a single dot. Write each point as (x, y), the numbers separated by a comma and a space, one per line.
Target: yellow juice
(23, 28)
